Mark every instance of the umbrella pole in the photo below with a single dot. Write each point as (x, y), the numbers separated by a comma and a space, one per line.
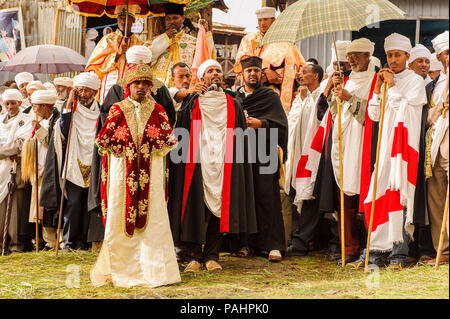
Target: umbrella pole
(36, 193)
(341, 172)
(126, 24)
(64, 180)
(375, 180)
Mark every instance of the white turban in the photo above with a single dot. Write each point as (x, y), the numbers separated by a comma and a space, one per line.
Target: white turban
(341, 47)
(23, 77)
(440, 43)
(12, 95)
(205, 65)
(44, 97)
(92, 34)
(266, 12)
(87, 79)
(64, 82)
(361, 45)
(138, 54)
(435, 64)
(49, 86)
(36, 85)
(419, 51)
(397, 42)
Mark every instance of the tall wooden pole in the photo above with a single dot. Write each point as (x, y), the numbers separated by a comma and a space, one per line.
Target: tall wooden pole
(375, 180)
(36, 188)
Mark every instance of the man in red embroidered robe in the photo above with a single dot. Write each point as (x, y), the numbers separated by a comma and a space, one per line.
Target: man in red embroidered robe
(138, 247)
(211, 185)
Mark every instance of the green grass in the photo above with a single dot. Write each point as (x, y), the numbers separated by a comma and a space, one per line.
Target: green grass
(42, 276)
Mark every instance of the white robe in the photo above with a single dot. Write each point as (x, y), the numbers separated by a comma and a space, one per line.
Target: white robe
(148, 258)
(358, 84)
(303, 123)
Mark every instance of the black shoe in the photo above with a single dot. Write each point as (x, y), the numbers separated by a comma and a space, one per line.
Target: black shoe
(334, 256)
(348, 259)
(292, 251)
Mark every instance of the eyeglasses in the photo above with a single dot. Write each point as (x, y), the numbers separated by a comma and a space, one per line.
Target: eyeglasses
(354, 56)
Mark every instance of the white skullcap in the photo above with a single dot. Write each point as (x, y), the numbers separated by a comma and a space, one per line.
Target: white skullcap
(341, 47)
(435, 64)
(49, 86)
(205, 65)
(397, 42)
(139, 54)
(36, 85)
(376, 61)
(361, 45)
(44, 97)
(23, 77)
(440, 43)
(419, 51)
(266, 12)
(65, 81)
(12, 95)
(87, 79)
(92, 34)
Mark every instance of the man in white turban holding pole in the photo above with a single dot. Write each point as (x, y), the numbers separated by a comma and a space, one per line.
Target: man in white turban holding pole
(15, 128)
(396, 176)
(63, 87)
(438, 146)
(70, 157)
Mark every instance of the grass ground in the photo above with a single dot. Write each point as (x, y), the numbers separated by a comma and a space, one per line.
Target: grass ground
(42, 276)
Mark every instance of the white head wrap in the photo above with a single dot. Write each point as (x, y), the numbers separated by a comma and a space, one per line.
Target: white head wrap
(92, 34)
(23, 77)
(376, 61)
(397, 42)
(435, 64)
(138, 54)
(36, 85)
(440, 43)
(341, 47)
(87, 79)
(266, 12)
(361, 45)
(63, 82)
(205, 65)
(419, 51)
(49, 86)
(12, 95)
(44, 97)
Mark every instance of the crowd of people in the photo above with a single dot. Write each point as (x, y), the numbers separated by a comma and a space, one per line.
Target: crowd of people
(258, 171)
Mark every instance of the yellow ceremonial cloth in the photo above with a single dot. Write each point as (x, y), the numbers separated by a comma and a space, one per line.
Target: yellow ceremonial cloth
(102, 60)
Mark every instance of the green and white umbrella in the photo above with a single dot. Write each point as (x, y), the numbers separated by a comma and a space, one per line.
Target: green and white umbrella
(307, 18)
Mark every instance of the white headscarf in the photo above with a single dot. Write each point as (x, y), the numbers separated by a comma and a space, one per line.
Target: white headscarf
(419, 51)
(87, 79)
(361, 45)
(64, 81)
(205, 65)
(23, 77)
(266, 12)
(36, 85)
(341, 47)
(44, 97)
(397, 42)
(12, 95)
(435, 64)
(440, 43)
(138, 54)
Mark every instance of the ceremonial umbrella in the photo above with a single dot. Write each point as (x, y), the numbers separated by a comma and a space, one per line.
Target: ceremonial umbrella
(97, 8)
(46, 59)
(307, 18)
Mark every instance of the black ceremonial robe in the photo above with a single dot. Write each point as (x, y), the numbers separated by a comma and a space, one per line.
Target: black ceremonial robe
(186, 195)
(115, 95)
(264, 104)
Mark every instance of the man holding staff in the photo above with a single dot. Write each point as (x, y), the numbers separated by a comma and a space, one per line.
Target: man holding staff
(398, 161)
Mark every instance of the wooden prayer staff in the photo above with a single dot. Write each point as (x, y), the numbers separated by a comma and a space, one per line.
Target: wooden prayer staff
(341, 173)
(36, 188)
(64, 180)
(441, 239)
(341, 182)
(375, 179)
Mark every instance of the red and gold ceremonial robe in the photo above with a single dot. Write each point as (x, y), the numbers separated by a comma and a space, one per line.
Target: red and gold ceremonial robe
(138, 248)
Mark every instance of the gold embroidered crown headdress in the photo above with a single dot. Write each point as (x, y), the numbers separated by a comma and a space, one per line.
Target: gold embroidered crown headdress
(142, 72)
